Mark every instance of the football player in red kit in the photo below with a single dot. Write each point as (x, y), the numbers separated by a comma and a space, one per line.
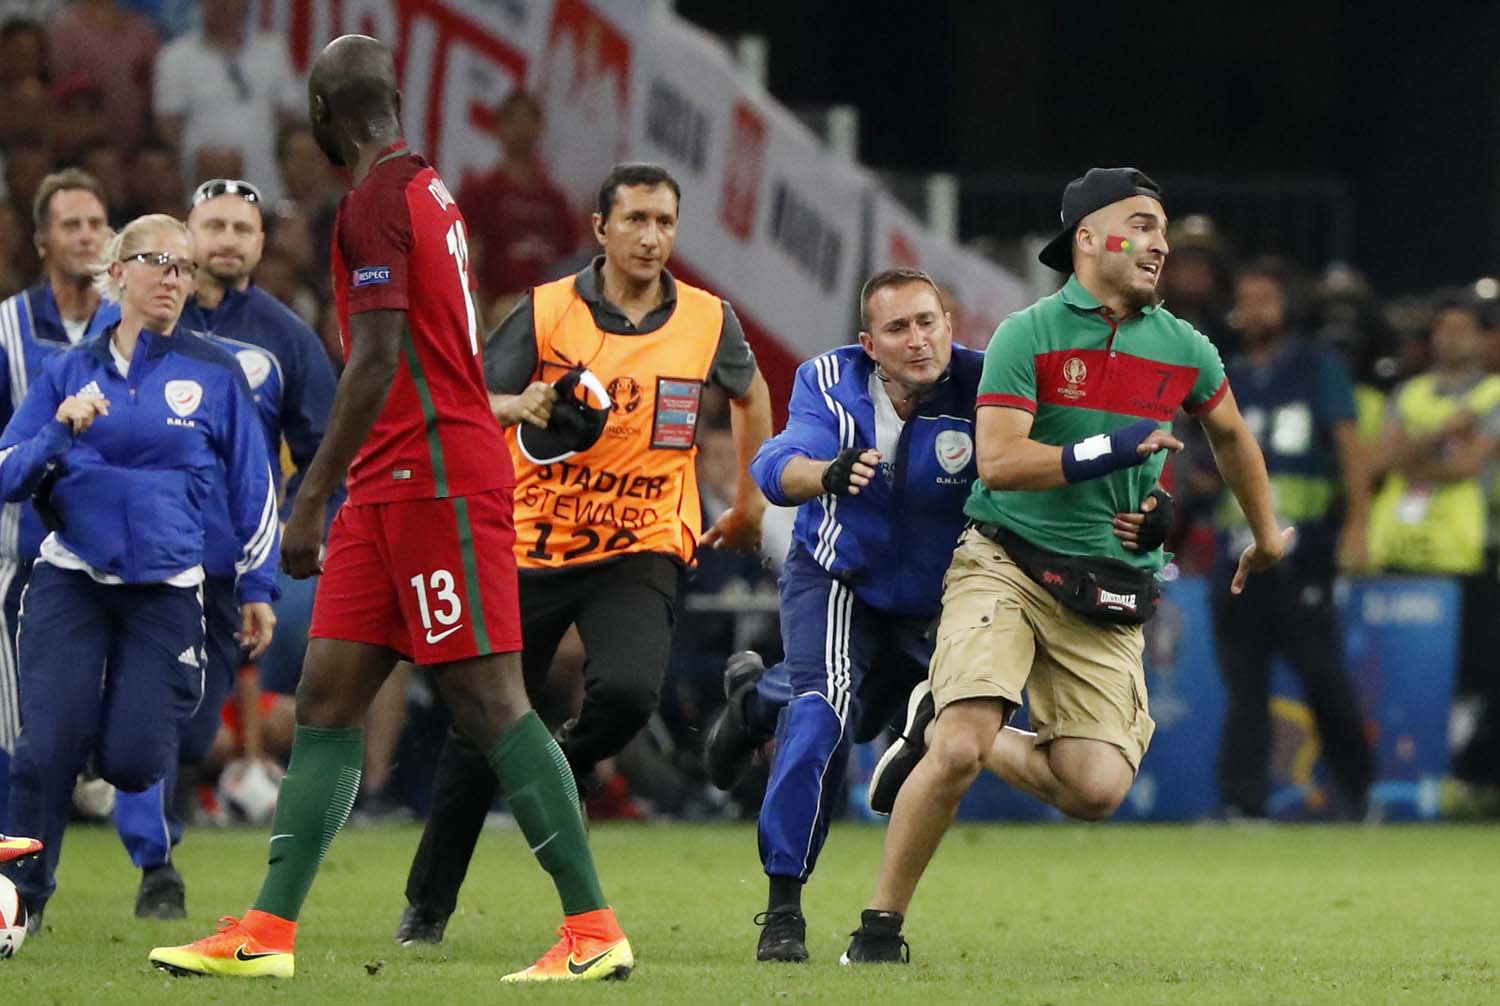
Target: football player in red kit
(420, 562)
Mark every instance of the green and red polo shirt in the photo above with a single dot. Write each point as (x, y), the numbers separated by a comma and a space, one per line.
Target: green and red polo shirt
(1083, 372)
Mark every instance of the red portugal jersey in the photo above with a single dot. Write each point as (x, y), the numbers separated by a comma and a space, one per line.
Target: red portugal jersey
(400, 244)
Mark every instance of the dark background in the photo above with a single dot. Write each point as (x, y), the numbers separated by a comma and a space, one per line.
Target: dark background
(1317, 129)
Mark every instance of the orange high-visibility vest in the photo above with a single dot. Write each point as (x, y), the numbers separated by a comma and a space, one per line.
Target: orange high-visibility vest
(636, 488)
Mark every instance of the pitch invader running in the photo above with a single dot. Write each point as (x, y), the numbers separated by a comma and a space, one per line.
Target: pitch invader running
(1069, 429)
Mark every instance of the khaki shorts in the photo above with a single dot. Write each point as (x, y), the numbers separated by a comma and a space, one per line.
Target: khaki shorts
(1000, 633)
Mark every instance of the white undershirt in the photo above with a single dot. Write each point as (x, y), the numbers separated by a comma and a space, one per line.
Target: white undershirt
(75, 329)
(121, 363)
(55, 553)
(888, 426)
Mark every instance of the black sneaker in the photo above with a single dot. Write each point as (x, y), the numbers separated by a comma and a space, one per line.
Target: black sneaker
(878, 940)
(727, 744)
(783, 936)
(420, 924)
(162, 895)
(904, 753)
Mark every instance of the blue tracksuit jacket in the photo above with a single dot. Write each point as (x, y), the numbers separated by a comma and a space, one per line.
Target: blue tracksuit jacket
(891, 544)
(134, 486)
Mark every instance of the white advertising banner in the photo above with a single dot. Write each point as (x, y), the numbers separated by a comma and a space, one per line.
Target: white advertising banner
(770, 218)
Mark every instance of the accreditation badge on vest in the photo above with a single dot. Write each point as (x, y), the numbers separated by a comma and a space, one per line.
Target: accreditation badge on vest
(675, 424)
(1414, 505)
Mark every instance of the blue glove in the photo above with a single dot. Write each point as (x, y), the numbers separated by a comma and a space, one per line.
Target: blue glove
(1107, 452)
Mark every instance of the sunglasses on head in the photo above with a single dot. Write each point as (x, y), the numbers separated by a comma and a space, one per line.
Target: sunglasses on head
(216, 187)
(165, 261)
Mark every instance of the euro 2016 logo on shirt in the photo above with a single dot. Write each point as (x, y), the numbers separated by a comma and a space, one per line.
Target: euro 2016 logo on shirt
(624, 394)
(372, 275)
(184, 397)
(954, 449)
(1075, 372)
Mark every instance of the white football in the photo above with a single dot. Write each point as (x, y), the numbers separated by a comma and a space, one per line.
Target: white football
(12, 919)
(248, 788)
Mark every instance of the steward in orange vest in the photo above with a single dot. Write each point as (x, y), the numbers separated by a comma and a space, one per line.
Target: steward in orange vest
(606, 520)
(635, 489)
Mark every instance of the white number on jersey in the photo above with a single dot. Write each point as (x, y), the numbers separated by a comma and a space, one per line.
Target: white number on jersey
(458, 247)
(440, 193)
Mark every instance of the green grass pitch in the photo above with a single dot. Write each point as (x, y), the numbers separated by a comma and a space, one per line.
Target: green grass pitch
(1024, 914)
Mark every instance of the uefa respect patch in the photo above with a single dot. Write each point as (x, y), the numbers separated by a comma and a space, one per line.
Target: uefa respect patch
(372, 275)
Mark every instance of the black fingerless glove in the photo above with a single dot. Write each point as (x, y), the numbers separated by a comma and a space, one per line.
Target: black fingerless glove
(1158, 523)
(836, 475)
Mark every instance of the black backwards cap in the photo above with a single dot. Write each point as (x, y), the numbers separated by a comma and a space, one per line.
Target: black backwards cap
(1095, 190)
(576, 423)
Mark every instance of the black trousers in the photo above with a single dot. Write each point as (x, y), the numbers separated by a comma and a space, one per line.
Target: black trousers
(624, 614)
(1479, 642)
(1287, 611)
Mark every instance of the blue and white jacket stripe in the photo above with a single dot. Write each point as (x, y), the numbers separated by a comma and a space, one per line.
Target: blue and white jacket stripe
(31, 329)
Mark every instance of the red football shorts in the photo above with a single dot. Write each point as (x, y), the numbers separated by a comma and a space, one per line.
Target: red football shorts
(434, 580)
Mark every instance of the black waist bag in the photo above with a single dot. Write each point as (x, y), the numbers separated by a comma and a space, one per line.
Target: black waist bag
(1103, 589)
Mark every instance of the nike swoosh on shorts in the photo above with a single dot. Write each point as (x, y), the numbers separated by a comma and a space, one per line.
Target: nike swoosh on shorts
(431, 639)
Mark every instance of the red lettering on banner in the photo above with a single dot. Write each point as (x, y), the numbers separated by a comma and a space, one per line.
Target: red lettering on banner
(747, 154)
(455, 47)
(903, 253)
(970, 327)
(583, 78)
(1124, 384)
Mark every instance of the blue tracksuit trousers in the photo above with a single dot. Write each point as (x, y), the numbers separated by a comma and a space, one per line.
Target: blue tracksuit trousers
(146, 821)
(13, 574)
(848, 671)
(107, 673)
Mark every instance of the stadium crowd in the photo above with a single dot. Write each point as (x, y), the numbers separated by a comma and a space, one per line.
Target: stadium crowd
(92, 84)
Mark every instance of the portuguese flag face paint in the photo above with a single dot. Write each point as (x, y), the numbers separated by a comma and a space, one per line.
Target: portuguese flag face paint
(1115, 243)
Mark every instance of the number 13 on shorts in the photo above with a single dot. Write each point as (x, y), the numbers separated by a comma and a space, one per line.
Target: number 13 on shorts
(432, 579)
(440, 607)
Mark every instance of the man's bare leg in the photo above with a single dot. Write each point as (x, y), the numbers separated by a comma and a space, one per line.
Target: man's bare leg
(1085, 779)
(383, 726)
(961, 738)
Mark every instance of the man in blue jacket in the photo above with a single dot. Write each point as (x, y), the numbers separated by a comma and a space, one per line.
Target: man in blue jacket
(291, 380)
(72, 224)
(863, 578)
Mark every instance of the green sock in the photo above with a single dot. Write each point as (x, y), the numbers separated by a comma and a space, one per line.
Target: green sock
(316, 796)
(542, 794)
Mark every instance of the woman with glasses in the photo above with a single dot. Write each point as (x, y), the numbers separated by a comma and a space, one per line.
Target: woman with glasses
(292, 381)
(120, 443)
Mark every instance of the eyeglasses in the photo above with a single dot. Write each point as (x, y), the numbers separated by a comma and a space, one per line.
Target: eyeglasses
(216, 187)
(166, 262)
